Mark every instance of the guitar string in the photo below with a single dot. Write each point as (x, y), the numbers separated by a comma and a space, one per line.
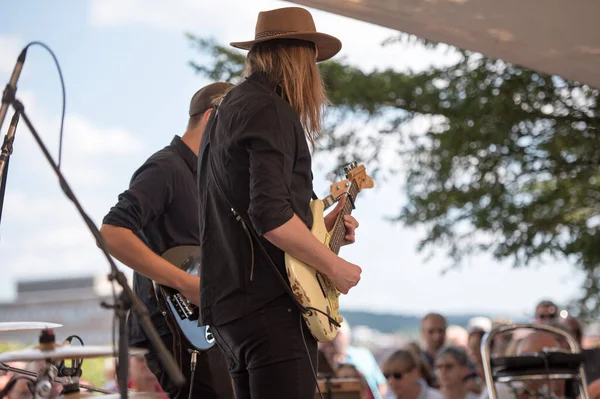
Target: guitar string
(339, 226)
(339, 229)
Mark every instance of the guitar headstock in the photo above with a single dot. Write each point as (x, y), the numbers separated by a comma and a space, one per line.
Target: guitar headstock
(358, 174)
(338, 188)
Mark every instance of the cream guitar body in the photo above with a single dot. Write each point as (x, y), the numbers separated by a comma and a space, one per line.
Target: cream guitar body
(313, 289)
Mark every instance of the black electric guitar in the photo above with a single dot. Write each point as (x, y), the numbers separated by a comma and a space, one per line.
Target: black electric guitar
(182, 315)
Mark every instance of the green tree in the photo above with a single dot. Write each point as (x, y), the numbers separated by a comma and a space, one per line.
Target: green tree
(509, 165)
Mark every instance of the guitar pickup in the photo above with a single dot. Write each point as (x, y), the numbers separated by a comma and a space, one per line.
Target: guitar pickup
(182, 306)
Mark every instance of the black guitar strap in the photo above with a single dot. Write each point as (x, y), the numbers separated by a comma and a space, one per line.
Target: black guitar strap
(253, 236)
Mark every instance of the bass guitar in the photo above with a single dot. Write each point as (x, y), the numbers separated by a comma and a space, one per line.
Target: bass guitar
(182, 315)
(312, 288)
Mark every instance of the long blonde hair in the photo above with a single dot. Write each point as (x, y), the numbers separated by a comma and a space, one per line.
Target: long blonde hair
(292, 64)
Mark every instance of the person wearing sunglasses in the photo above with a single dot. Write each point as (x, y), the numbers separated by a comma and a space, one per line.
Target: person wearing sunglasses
(402, 372)
(453, 373)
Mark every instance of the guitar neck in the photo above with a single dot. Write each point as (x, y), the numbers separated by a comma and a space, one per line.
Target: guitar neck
(339, 229)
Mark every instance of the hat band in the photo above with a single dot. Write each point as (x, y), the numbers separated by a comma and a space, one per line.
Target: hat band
(261, 35)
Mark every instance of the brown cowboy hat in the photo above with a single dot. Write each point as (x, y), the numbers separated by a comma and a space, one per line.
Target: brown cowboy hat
(291, 23)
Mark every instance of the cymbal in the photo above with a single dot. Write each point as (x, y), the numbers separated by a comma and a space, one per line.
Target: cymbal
(26, 325)
(64, 352)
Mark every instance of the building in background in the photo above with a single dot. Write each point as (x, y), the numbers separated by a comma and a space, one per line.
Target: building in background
(72, 302)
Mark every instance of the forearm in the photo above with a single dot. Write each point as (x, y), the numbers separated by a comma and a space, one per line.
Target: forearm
(124, 245)
(296, 239)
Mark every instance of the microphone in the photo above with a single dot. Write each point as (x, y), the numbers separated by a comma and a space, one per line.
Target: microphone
(11, 88)
(7, 149)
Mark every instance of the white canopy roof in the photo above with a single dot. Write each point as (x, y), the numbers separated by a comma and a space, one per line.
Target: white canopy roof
(558, 37)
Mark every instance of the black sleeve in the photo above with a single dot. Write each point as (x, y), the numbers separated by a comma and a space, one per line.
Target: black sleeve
(270, 145)
(149, 193)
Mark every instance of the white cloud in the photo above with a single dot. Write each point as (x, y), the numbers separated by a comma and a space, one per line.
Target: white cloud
(43, 235)
(234, 20)
(11, 47)
(178, 14)
(90, 140)
(88, 149)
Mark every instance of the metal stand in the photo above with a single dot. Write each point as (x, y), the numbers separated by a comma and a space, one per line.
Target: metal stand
(542, 366)
(5, 153)
(61, 380)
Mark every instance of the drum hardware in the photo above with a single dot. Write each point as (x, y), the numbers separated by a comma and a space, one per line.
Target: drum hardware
(49, 351)
(548, 365)
(60, 380)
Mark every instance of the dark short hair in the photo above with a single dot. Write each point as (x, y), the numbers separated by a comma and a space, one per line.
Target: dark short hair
(458, 353)
(545, 303)
(432, 315)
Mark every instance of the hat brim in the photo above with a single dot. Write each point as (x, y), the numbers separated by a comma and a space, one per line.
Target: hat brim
(327, 45)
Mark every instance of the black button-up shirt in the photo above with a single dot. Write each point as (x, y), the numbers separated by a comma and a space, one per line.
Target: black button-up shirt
(160, 207)
(263, 163)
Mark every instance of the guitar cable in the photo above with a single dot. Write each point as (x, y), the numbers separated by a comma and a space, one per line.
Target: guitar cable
(312, 367)
(194, 354)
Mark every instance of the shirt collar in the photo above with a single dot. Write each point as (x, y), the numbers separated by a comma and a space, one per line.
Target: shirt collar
(186, 153)
(262, 78)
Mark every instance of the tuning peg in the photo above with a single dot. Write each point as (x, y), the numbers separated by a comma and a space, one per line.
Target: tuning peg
(349, 167)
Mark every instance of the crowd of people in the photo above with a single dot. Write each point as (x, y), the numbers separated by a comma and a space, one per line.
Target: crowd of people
(440, 366)
(443, 367)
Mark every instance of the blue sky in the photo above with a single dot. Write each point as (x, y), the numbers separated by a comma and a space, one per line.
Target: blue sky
(128, 88)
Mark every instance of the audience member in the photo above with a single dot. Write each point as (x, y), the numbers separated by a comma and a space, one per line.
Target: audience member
(346, 370)
(403, 377)
(339, 351)
(545, 311)
(433, 334)
(591, 336)
(452, 370)
(426, 373)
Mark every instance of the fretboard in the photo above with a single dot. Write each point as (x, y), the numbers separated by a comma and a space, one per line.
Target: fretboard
(339, 229)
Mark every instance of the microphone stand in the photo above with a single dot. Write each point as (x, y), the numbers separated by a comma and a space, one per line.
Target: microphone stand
(127, 300)
(7, 149)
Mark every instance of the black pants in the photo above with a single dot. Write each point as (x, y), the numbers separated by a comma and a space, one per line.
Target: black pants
(267, 352)
(211, 378)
